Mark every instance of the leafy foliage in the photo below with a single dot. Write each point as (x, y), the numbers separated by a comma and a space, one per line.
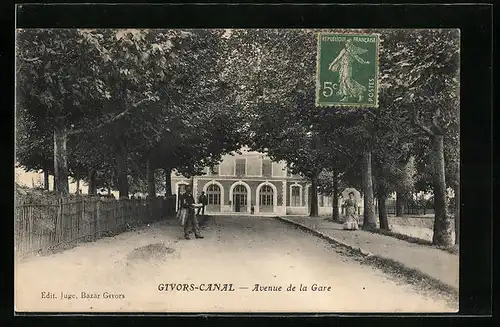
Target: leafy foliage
(125, 91)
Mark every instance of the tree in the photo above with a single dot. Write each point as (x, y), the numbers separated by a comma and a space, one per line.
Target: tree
(405, 66)
(200, 123)
(56, 86)
(278, 87)
(452, 169)
(423, 68)
(276, 91)
(351, 132)
(133, 66)
(151, 68)
(299, 147)
(331, 182)
(136, 79)
(341, 159)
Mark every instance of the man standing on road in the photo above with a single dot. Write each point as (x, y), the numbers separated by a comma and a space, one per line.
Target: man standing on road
(203, 200)
(187, 201)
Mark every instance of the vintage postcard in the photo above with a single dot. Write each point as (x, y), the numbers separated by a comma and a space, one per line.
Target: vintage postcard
(237, 170)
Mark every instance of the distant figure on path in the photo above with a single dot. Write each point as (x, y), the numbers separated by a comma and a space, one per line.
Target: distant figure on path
(351, 222)
(203, 200)
(187, 201)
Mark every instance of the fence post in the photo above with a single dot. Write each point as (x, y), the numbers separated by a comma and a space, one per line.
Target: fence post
(56, 229)
(82, 217)
(30, 229)
(76, 217)
(59, 234)
(97, 218)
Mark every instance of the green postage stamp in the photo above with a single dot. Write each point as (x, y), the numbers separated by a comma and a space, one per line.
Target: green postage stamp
(347, 72)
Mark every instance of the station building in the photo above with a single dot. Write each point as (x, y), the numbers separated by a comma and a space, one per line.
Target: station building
(249, 179)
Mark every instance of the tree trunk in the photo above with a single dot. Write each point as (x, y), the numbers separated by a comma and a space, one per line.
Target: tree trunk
(314, 197)
(442, 233)
(400, 201)
(369, 221)
(92, 183)
(457, 212)
(45, 179)
(121, 169)
(382, 210)
(335, 197)
(168, 181)
(151, 181)
(60, 161)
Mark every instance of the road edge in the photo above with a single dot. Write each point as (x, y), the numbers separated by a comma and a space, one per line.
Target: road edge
(379, 261)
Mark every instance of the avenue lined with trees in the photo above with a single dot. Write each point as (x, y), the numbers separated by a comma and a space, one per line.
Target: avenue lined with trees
(121, 109)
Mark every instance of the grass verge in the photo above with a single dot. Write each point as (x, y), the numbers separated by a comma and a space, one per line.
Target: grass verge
(453, 249)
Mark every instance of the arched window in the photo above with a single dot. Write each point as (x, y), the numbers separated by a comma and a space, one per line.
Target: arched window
(240, 189)
(266, 196)
(213, 194)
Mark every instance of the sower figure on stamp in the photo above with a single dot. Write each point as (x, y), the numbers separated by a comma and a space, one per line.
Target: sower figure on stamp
(187, 202)
(342, 64)
(203, 200)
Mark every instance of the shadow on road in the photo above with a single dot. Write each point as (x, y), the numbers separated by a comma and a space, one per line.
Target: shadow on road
(156, 251)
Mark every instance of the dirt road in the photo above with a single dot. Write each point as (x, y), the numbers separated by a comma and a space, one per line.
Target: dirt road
(128, 273)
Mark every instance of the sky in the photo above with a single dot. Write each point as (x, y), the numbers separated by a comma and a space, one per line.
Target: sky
(30, 179)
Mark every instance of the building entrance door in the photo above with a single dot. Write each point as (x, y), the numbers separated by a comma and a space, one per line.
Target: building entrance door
(266, 199)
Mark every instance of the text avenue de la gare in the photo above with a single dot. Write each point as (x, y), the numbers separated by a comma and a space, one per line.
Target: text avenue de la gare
(217, 287)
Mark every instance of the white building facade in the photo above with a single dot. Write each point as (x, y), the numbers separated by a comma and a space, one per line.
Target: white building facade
(252, 180)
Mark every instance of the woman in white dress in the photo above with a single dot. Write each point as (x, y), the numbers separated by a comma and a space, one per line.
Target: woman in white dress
(351, 222)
